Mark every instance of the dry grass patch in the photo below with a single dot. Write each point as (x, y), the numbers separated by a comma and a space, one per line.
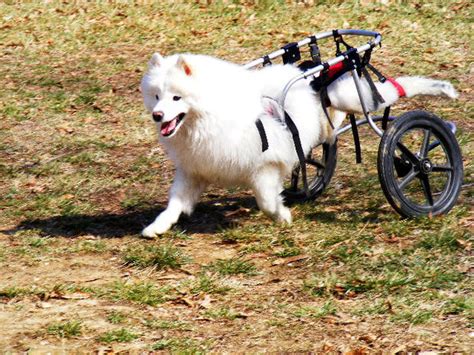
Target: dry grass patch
(81, 175)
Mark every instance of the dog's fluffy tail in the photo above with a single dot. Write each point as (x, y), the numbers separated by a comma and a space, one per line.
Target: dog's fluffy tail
(417, 85)
(343, 94)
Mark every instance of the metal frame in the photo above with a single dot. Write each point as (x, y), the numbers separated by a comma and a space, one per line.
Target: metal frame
(377, 39)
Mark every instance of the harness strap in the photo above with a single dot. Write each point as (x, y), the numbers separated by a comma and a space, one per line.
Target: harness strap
(339, 40)
(266, 60)
(299, 150)
(263, 135)
(378, 74)
(325, 102)
(386, 114)
(296, 140)
(355, 134)
(376, 97)
(400, 89)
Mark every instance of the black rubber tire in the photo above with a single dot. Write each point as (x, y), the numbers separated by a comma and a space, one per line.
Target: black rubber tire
(396, 160)
(317, 181)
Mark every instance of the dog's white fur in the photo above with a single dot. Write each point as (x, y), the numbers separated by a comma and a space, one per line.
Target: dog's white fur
(217, 141)
(344, 98)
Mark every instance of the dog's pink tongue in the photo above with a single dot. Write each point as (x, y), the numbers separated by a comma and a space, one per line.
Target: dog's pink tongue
(167, 127)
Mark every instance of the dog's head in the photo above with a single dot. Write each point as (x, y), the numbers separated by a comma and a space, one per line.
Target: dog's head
(164, 92)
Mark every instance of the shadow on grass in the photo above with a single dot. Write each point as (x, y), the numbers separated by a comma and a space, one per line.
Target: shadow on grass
(209, 217)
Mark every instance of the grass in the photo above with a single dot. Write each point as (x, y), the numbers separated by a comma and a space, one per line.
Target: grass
(66, 329)
(79, 158)
(221, 313)
(179, 345)
(12, 292)
(115, 317)
(234, 266)
(140, 292)
(158, 257)
(208, 283)
(316, 312)
(121, 335)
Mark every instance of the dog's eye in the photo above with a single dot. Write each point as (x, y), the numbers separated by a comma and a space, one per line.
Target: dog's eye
(176, 98)
(157, 97)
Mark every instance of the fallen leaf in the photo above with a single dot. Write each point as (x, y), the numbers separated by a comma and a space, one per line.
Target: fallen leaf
(293, 259)
(169, 277)
(240, 210)
(65, 129)
(184, 300)
(206, 302)
(465, 244)
(360, 351)
(74, 296)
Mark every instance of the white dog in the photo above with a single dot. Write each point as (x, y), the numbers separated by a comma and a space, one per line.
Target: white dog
(205, 110)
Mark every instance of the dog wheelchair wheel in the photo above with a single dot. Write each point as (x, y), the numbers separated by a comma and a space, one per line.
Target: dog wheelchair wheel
(320, 166)
(420, 165)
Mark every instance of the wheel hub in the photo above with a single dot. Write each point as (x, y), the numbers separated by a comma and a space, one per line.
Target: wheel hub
(426, 166)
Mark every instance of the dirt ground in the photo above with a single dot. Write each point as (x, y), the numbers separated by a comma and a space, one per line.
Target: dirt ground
(81, 174)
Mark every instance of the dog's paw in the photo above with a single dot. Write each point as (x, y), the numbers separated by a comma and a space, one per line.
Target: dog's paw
(284, 216)
(155, 229)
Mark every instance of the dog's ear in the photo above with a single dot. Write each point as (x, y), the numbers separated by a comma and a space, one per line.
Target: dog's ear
(184, 65)
(272, 108)
(156, 60)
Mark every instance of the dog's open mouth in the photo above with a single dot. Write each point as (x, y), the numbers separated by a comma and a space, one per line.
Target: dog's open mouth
(168, 128)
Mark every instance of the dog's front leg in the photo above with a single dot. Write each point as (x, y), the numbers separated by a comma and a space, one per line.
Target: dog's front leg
(183, 196)
(267, 186)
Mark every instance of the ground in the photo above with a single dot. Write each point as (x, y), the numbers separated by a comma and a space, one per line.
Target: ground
(81, 175)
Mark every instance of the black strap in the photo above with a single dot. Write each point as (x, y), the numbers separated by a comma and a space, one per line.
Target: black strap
(352, 60)
(355, 134)
(314, 51)
(386, 114)
(299, 150)
(266, 61)
(376, 97)
(338, 39)
(292, 53)
(379, 75)
(263, 135)
(325, 102)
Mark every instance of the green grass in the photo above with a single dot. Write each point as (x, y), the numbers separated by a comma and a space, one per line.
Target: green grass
(179, 346)
(66, 330)
(234, 266)
(90, 246)
(459, 305)
(315, 312)
(221, 313)
(116, 317)
(122, 335)
(12, 292)
(158, 257)
(414, 317)
(207, 283)
(139, 292)
(79, 157)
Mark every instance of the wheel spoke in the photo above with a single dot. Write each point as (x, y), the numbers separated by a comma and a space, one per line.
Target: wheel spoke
(316, 163)
(442, 168)
(427, 188)
(295, 174)
(426, 141)
(407, 179)
(434, 145)
(412, 157)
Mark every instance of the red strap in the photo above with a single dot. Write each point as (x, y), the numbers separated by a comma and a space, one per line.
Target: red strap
(334, 69)
(400, 89)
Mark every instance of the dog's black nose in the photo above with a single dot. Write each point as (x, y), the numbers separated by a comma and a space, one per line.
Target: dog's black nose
(157, 116)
